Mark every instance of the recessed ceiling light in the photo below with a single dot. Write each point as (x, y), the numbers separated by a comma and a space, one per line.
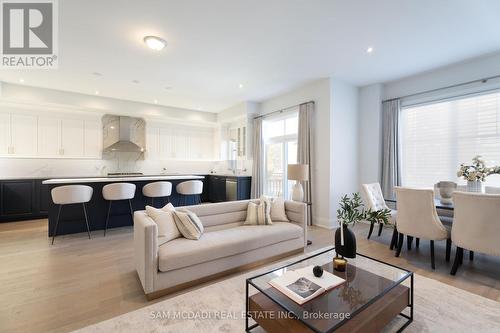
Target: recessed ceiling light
(240, 85)
(135, 81)
(155, 43)
(97, 92)
(21, 80)
(369, 50)
(97, 74)
(168, 88)
(156, 101)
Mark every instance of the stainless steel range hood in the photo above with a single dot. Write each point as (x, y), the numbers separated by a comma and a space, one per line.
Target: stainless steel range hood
(121, 139)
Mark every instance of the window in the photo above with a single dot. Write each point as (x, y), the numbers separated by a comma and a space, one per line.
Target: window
(280, 149)
(437, 138)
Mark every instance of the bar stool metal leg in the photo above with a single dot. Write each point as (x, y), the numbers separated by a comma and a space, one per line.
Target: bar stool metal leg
(107, 219)
(57, 222)
(130, 205)
(86, 219)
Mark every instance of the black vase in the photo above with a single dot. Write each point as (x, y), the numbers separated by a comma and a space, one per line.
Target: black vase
(349, 248)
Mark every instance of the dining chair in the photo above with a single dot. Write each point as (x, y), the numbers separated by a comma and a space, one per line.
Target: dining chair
(491, 190)
(476, 225)
(417, 217)
(374, 200)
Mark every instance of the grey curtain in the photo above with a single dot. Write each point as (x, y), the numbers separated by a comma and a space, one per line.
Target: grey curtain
(304, 146)
(391, 156)
(258, 160)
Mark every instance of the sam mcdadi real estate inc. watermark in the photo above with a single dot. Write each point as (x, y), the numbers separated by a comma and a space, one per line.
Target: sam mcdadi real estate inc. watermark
(29, 36)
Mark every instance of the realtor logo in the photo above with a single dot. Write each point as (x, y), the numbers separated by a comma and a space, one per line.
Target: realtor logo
(29, 34)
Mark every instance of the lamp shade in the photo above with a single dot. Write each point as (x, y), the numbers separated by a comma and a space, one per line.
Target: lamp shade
(298, 172)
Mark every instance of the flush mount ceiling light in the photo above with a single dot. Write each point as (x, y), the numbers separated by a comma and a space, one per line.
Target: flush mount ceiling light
(369, 50)
(155, 43)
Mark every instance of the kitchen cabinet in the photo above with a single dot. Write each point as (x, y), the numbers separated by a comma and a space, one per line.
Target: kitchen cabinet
(49, 136)
(93, 138)
(5, 137)
(217, 187)
(23, 199)
(23, 135)
(72, 137)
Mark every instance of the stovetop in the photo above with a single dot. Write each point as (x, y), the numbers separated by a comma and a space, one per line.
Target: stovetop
(125, 174)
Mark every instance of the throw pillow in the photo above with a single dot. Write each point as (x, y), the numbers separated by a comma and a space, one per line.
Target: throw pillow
(164, 219)
(278, 213)
(189, 224)
(259, 214)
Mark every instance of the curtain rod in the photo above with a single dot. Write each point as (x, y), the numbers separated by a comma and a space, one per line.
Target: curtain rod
(281, 110)
(483, 80)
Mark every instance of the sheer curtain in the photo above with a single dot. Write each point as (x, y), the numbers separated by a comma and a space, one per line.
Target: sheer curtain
(391, 147)
(258, 163)
(304, 145)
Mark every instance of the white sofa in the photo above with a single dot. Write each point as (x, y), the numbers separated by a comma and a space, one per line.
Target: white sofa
(226, 246)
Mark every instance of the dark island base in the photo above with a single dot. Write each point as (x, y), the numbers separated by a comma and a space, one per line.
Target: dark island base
(72, 218)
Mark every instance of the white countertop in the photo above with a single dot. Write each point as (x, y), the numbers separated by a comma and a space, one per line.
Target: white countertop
(117, 179)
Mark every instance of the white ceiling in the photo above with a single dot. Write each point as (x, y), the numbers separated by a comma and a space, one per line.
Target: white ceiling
(269, 46)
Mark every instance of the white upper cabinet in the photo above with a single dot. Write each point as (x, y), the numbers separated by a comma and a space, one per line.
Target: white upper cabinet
(49, 136)
(5, 138)
(152, 142)
(24, 135)
(93, 138)
(72, 137)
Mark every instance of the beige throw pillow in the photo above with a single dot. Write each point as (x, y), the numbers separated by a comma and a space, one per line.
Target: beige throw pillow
(164, 219)
(259, 214)
(189, 224)
(278, 210)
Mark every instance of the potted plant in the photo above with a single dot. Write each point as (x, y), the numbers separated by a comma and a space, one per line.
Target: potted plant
(351, 211)
(475, 173)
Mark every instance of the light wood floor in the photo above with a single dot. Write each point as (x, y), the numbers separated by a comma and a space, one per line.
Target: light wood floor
(77, 281)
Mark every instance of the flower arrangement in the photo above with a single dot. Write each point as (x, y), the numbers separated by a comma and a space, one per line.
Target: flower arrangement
(477, 171)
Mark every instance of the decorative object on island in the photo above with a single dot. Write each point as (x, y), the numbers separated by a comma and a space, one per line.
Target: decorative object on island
(446, 189)
(351, 211)
(298, 172)
(476, 173)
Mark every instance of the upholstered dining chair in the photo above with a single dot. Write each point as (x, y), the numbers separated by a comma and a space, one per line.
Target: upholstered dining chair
(476, 225)
(374, 200)
(491, 190)
(417, 217)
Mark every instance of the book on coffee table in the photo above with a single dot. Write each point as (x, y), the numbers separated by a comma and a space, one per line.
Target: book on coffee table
(301, 285)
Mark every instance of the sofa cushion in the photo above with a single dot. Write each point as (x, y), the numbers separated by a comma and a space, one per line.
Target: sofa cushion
(182, 252)
(165, 220)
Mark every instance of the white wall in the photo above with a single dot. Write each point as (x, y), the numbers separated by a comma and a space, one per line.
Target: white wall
(344, 142)
(370, 134)
(67, 101)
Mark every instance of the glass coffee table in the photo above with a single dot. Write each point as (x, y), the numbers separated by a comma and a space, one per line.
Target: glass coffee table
(374, 294)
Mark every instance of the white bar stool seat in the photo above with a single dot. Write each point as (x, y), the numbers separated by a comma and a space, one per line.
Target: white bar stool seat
(188, 188)
(68, 195)
(157, 190)
(115, 192)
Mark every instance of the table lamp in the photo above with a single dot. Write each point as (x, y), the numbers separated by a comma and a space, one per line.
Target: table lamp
(298, 172)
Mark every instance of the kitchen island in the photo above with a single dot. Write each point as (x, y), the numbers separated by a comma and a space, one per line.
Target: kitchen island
(72, 218)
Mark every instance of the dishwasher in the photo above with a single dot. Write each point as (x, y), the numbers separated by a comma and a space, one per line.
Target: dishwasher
(231, 190)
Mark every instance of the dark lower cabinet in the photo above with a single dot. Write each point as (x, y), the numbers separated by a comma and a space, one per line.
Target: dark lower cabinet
(217, 187)
(23, 199)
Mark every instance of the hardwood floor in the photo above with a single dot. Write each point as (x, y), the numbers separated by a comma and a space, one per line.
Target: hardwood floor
(77, 282)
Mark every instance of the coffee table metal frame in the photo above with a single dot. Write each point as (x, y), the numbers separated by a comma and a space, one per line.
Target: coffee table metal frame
(408, 275)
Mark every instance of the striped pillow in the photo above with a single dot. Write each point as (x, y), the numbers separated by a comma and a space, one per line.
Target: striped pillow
(259, 214)
(188, 223)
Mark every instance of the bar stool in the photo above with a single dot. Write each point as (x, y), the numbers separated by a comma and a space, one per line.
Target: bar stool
(115, 192)
(190, 187)
(71, 194)
(157, 190)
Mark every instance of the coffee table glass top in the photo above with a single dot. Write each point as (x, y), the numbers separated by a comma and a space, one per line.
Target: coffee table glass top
(367, 280)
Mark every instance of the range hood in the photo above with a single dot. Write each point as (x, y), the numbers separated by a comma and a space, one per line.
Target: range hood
(123, 134)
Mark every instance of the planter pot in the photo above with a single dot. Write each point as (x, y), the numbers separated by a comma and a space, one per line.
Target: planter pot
(474, 186)
(349, 248)
(446, 190)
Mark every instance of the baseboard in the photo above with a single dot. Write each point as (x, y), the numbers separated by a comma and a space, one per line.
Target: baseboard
(239, 269)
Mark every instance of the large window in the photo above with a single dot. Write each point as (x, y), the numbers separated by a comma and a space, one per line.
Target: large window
(280, 149)
(437, 137)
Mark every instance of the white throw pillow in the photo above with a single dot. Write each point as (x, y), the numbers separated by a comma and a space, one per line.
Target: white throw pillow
(259, 214)
(278, 210)
(164, 219)
(189, 224)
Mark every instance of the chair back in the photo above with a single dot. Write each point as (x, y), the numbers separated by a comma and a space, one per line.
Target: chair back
(374, 198)
(157, 189)
(417, 215)
(118, 191)
(492, 190)
(71, 194)
(476, 222)
(190, 187)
